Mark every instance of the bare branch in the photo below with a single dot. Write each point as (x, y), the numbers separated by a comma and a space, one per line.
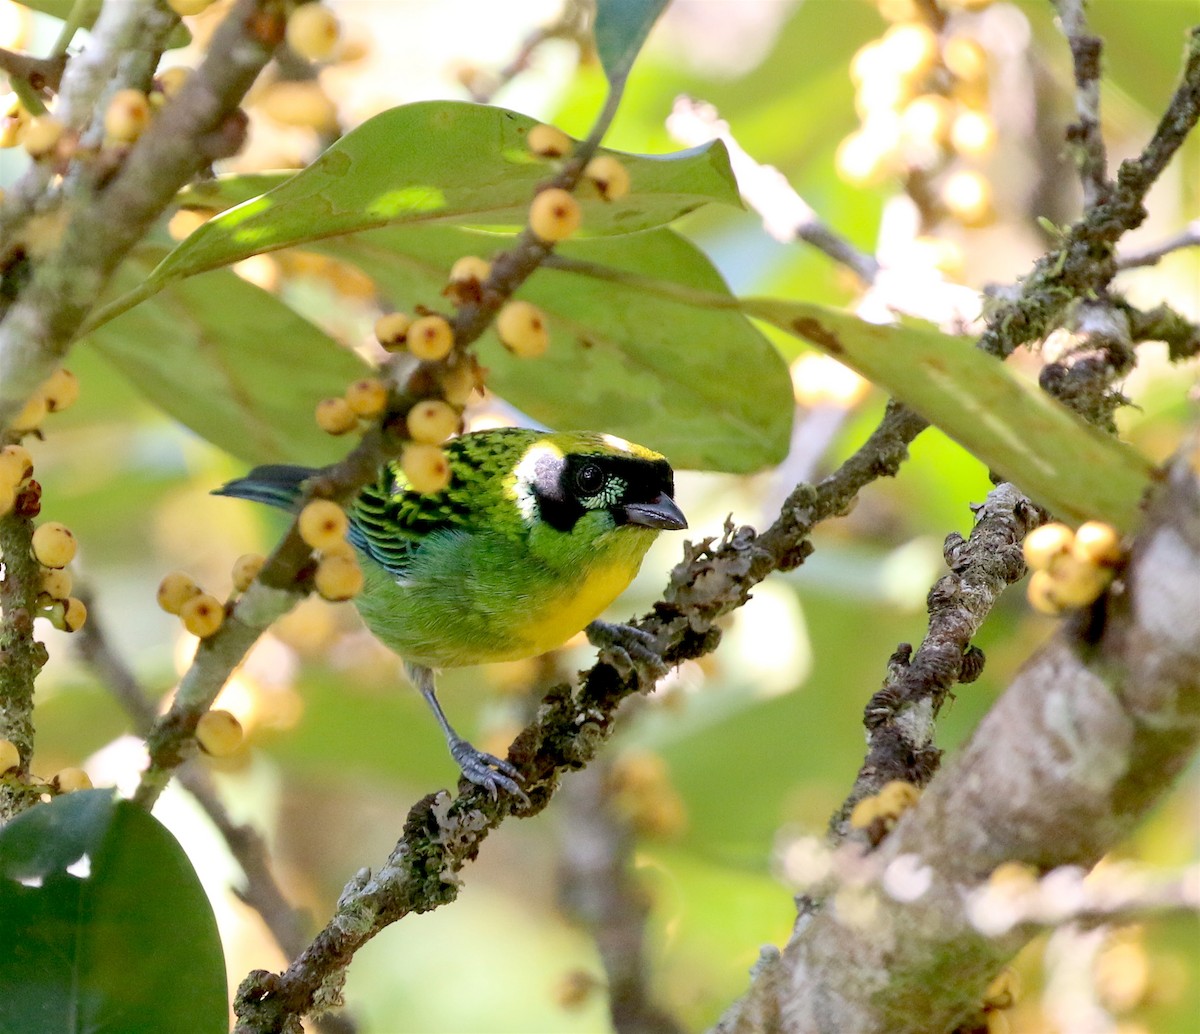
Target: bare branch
(1085, 134)
(1188, 237)
(1089, 735)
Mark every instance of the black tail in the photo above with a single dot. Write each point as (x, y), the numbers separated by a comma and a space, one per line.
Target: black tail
(275, 485)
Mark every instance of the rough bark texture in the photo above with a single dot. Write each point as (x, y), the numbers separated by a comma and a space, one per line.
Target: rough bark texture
(1088, 737)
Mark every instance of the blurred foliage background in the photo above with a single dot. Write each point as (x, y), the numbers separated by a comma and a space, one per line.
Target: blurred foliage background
(729, 760)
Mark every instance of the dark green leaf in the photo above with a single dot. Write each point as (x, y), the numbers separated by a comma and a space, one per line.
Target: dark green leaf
(437, 161)
(704, 387)
(231, 362)
(621, 28)
(106, 925)
(1063, 463)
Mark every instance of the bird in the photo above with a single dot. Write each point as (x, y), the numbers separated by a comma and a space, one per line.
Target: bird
(534, 535)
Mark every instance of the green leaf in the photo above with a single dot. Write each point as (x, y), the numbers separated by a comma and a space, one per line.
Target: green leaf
(1064, 464)
(106, 925)
(621, 28)
(703, 387)
(231, 362)
(439, 161)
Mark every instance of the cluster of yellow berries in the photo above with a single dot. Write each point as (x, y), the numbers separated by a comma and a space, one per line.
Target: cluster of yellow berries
(68, 780)
(879, 812)
(923, 100)
(1070, 568)
(45, 137)
(322, 525)
(219, 733)
(363, 399)
(58, 392)
(202, 613)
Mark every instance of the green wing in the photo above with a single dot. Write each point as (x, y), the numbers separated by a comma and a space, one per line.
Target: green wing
(389, 522)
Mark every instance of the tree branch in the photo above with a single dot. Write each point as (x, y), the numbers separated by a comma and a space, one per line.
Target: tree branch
(1088, 737)
(1085, 134)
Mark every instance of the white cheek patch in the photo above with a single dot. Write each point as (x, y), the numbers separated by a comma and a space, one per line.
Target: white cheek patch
(523, 489)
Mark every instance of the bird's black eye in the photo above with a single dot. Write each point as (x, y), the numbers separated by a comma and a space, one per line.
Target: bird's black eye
(589, 479)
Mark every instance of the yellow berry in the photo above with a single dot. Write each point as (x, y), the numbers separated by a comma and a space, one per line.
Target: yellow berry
(60, 390)
(8, 498)
(202, 615)
(470, 267)
(430, 338)
(127, 116)
(56, 583)
(425, 466)
(170, 80)
(609, 175)
(1078, 583)
(1041, 594)
(334, 416)
(461, 380)
(522, 329)
(184, 8)
(1097, 543)
(338, 577)
(31, 416)
(303, 104)
(548, 142)
(15, 465)
(864, 813)
(367, 397)
(968, 196)
(391, 330)
(973, 134)
(69, 780)
(965, 58)
(897, 796)
(42, 135)
(1014, 875)
(432, 421)
(74, 614)
(554, 215)
(313, 31)
(1047, 543)
(245, 570)
(175, 590)
(322, 523)
(10, 757)
(53, 544)
(219, 733)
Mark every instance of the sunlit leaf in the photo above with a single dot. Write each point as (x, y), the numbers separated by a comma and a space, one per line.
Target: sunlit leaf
(436, 161)
(1072, 468)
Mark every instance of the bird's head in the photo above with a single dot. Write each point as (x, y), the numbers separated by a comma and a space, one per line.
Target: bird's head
(587, 485)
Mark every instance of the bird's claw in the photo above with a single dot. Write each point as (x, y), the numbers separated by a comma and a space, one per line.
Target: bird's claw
(492, 773)
(626, 648)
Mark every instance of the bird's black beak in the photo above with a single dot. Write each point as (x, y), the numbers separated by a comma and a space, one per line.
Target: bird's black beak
(661, 513)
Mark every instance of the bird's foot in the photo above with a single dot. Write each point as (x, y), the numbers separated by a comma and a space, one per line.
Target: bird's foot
(627, 649)
(492, 773)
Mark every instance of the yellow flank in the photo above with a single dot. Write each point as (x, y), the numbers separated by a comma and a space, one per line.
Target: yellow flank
(561, 618)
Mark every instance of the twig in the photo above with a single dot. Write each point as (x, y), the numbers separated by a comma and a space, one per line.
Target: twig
(786, 215)
(900, 718)
(1083, 265)
(40, 73)
(599, 889)
(571, 24)
(21, 656)
(1085, 134)
(1188, 237)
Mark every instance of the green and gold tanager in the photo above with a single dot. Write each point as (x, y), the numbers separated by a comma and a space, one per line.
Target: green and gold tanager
(536, 533)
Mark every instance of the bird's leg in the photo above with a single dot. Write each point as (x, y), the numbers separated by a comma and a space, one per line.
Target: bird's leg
(626, 648)
(490, 772)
